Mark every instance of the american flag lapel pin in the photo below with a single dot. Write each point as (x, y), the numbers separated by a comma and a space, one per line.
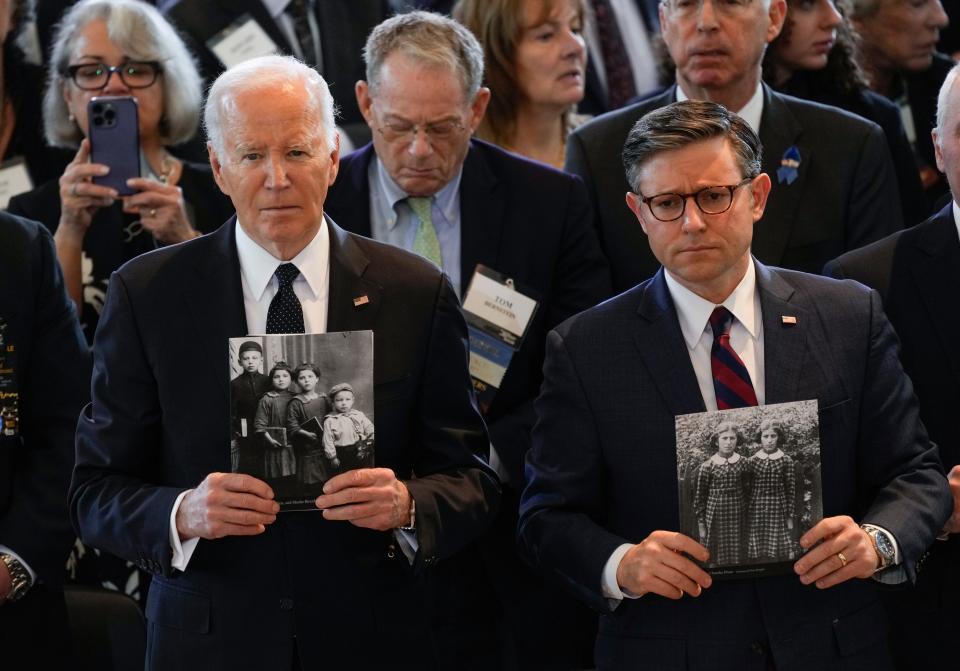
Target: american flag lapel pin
(360, 300)
(788, 320)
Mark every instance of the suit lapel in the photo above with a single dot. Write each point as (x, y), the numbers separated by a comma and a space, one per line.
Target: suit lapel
(214, 298)
(349, 197)
(664, 351)
(779, 130)
(354, 301)
(481, 215)
(935, 270)
(784, 343)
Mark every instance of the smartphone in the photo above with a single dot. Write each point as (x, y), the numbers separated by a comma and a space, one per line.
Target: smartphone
(115, 140)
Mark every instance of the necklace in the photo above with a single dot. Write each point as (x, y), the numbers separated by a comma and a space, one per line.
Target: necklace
(166, 167)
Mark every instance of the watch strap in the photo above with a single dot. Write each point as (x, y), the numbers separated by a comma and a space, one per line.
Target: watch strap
(880, 538)
(412, 526)
(20, 580)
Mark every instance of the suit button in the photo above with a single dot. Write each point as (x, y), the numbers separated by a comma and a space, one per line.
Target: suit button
(286, 603)
(758, 648)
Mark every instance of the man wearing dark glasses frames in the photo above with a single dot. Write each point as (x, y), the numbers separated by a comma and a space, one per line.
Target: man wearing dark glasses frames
(601, 508)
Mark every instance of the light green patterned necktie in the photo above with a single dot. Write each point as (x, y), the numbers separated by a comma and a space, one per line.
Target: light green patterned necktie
(425, 243)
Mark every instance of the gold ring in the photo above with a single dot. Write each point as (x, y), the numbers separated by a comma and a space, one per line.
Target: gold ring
(843, 560)
(153, 211)
(73, 190)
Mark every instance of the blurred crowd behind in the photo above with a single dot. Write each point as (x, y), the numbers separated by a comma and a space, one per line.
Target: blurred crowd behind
(552, 68)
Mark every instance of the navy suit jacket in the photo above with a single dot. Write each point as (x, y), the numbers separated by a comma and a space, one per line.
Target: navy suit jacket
(38, 319)
(159, 423)
(603, 471)
(529, 222)
(845, 194)
(917, 272)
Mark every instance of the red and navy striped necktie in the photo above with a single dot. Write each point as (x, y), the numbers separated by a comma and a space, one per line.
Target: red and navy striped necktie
(731, 380)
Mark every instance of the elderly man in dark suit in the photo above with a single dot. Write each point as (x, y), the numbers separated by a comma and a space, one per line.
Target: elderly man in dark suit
(916, 273)
(833, 189)
(237, 585)
(422, 98)
(44, 382)
(600, 510)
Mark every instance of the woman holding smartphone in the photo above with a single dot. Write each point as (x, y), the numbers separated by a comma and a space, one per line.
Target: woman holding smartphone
(120, 48)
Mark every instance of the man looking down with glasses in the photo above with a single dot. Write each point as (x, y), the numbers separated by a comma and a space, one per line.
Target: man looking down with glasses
(425, 185)
(601, 510)
(120, 48)
(832, 183)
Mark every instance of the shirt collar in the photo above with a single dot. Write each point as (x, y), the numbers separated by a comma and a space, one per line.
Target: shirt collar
(694, 312)
(773, 456)
(720, 461)
(956, 216)
(751, 112)
(258, 265)
(275, 7)
(445, 199)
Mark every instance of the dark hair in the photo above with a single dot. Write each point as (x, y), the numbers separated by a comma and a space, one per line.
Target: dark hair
(498, 26)
(777, 426)
(306, 366)
(683, 123)
(280, 365)
(21, 13)
(841, 75)
(723, 427)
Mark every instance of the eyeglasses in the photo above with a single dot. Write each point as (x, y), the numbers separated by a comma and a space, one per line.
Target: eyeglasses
(691, 7)
(710, 200)
(94, 76)
(435, 131)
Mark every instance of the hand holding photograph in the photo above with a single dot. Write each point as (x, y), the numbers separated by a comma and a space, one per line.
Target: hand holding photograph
(750, 485)
(296, 425)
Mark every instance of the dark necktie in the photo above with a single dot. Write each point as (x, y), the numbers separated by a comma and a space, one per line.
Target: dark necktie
(731, 380)
(299, 11)
(285, 314)
(620, 85)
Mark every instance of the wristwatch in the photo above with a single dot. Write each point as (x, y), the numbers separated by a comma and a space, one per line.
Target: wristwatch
(20, 580)
(882, 544)
(412, 526)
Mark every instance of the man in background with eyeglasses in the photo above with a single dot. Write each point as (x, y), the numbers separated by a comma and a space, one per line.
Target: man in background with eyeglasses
(425, 185)
(601, 505)
(833, 185)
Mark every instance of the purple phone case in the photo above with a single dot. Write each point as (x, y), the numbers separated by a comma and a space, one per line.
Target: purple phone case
(115, 140)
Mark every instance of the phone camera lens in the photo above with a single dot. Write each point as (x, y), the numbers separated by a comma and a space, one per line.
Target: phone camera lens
(97, 108)
(109, 115)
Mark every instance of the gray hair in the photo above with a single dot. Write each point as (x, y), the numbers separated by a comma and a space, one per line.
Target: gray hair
(684, 123)
(428, 38)
(142, 34)
(861, 9)
(943, 96)
(262, 73)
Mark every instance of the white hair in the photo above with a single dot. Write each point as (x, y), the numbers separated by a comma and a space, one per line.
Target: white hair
(943, 96)
(143, 34)
(267, 72)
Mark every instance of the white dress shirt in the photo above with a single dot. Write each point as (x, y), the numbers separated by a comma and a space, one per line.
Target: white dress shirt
(260, 285)
(752, 112)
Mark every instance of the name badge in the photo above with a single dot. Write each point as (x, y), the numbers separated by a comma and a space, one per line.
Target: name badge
(9, 394)
(14, 179)
(240, 41)
(498, 315)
